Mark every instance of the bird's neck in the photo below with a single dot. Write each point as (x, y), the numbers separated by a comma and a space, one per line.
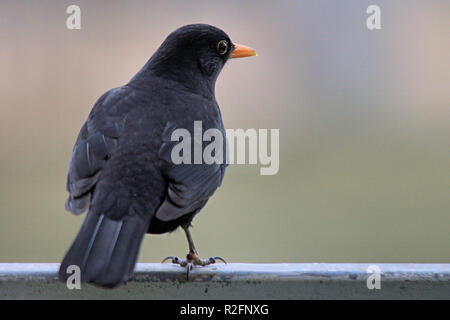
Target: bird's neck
(184, 75)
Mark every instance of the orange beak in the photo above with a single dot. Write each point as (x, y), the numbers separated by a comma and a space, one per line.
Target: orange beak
(241, 51)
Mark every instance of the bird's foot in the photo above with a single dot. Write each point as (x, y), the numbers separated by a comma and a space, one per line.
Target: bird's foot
(192, 259)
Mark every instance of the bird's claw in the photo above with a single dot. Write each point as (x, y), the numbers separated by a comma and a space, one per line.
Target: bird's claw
(176, 260)
(212, 260)
(192, 259)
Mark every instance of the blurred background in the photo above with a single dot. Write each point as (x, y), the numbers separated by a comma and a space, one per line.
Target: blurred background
(363, 118)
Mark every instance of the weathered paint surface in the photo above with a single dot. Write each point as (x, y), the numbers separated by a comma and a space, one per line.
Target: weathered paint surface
(237, 281)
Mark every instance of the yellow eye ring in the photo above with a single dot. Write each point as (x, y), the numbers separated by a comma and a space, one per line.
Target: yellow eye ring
(222, 47)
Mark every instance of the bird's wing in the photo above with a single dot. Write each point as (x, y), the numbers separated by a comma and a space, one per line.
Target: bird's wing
(95, 144)
(189, 185)
(107, 245)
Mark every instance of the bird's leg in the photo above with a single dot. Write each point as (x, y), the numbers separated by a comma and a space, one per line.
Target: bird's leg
(192, 251)
(192, 258)
(193, 254)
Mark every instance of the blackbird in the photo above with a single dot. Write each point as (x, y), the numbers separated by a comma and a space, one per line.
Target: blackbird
(121, 169)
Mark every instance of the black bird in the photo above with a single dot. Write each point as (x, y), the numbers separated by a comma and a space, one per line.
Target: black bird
(121, 169)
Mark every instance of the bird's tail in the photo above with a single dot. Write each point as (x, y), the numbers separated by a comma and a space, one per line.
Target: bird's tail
(105, 250)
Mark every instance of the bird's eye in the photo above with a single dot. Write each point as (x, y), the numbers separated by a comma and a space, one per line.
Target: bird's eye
(222, 47)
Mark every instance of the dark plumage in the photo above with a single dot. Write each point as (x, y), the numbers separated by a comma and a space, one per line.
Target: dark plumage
(121, 170)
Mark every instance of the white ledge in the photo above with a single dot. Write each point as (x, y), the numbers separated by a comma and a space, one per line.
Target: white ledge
(238, 281)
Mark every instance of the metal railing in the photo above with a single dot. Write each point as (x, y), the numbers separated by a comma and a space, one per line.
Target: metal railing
(240, 281)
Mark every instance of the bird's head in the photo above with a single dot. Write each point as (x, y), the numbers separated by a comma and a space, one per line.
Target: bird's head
(195, 54)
